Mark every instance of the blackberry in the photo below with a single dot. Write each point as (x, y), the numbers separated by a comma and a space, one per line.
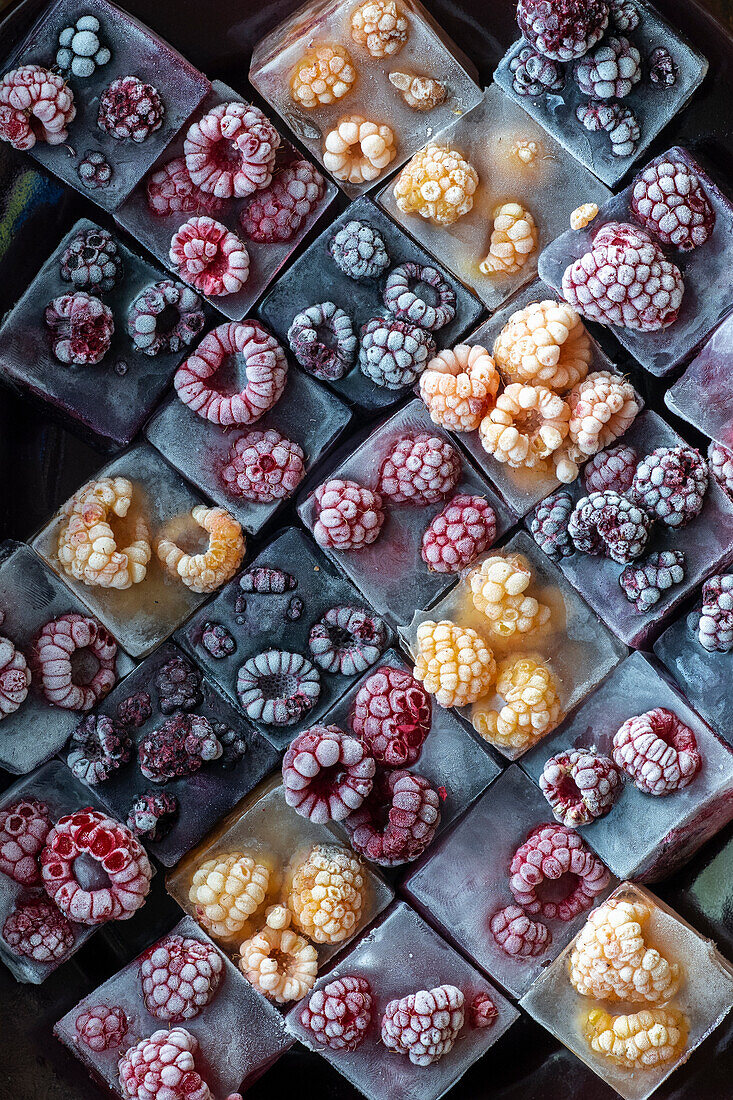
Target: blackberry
(178, 748)
(662, 69)
(624, 15)
(165, 317)
(152, 815)
(359, 250)
(90, 261)
(549, 525)
(715, 629)
(671, 483)
(617, 121)
(217, 640)
(179, 686)
(610, 71)
(534, 74)
(644, 582)
(98, 747)
(233, 742)
(393, 353)
(562, 29)
(610, 524)
(135, 710)
(322, 340)
(295, 609)
(94, 170)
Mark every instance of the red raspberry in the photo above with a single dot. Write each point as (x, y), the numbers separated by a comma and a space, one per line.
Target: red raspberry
(720, 464)
(263, 466)
(101, 1027)
(607, 523)
(580, 786)
(130, 109)
(39, 931)
(483, 1012)
(615, 119)
(278, 212)
(715, 629)
(349, 516)
(209, 257)
(327, 774)
(162, 1067)
(424, 1025)
(463, 530)
(392, 713)
(610, 71)
(171, 190)
(420, 470)
(658, 751)
(613, 468)
(180, 977)
(35, 105)
(339, 1015)
(230, 151)
(562, 29)
(549, 853)
(625, 280)
(81, 328)
(668, 199)
(24, 826)
(397, 821)
(517, 935)
(670, 483)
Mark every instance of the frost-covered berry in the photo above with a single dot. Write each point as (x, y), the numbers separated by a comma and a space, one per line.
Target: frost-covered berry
(715, 629)
(101, 1027)
(562, 29)
(609, 524)
(338, 1016)
(394, 353)
(662, 69)
(327, 774)
(580, 785)
(230, 151)
(419, 295)
(38, 930)
(397, 820)
(610, 71)
(35, 105)
(549, 525)
(424, 1025)
(556, 854)
(178, 748)
(24, 826)
(454, 663)
(359, 250)
(263, 467)
(347, 640)
(534, 74)
(152, 815)
(613, 468)
(457, 535)
(658, 751)
(637, 1040)
(80, 49)
(482, 1012)
(391, 713)
(615, 119)
(98, 747)
(644, 582)
(670, 484)
(178, 683)
(216, 640)
(80, 327)
(135, 709)
(438, 184)
(421, 469)
(500, 591)
(517, 935)
(94, 170)
(227, 890)
(720, 465)
(130, 109)
(668, 199)
(278, 688)
(91, 261)
(170, 190)
(322, 339)
(209, 257)
(624, 15)
(349, 516)
(164, 318)
(327, 893)
(279, 211)
(179, 977)
(162, 1067)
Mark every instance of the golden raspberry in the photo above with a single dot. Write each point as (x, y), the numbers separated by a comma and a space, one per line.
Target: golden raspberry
(525, 426)
(321, 76)
(544, 344)
(327, 894)
(602, 408)
(499, 591)
(381, 26)
(583, 215)
(611, 962)
(227, 891)
(207, 571)
(277, 961)
(422, 93)
(87, 548)
(513, 240)
(358, 150)
(438, 184)
(527, 153)
(531, 705)
(640, 1040)
(459, 387)
(454, 663)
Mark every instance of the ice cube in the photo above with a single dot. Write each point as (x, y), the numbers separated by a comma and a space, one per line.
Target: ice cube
(702, 396)
(316, 278)
(517, 162)
(706, 891)
(421, 48)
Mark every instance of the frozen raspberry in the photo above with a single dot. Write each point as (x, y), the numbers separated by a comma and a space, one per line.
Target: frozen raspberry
(230, 152)
(482, 1012)
(624, 15)
(715, 629)
(527, 425)
(499, 590)
(534, 74)
(135, 709)
(209, 257)
(544, 344)
(549, 525)
(180, 977)
(359, 250)
(81, 328)
(227, 890)
(609, 524)
(613, 469)
(611, 962)
(438, 184)
(98, 747)
(101, 1027)
(322, 75)
(459, 386)
(392, 714)
(668, 199)
(517, 935)
(216, 640)
(152, 815)
(549, 854)
(617, 120)
(671, 483)
(610, 71)
(562, 29)
(165, 317)
(94, 170)
(91, 261)
(278, 688)
(658, 751)
(531, 706)
(234, 744)
(380, 25)
(327, 894)
(580, 786)
(279, 212)
(420, 470)
(67, 639)
(277, 961)
(327, 774)
(24, 826)
(424, 1025)
(322, 340)
(420, 296)
(583, 215)
(347, 640)
(295, 609)
(454, 663)
(720, 465)
(662, 69)
(602, 408)
(397, 821)
(263, 466)
(421, 93)
(457, 535)
(339, 1014)
(267, 581)
(178, 684)
(637, 1040)
(15, 677)
(645, 581)
(130, 110)
(178, 748)
(162, 1067)
(171, 190)
(394, 353)
(625, 280)
(357, 150)
(35, 105)
(513, 240)
(349, 516)
(39, 931)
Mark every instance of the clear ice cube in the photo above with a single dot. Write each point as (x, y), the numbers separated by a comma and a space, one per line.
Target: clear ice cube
(707, 892)
(702, 396)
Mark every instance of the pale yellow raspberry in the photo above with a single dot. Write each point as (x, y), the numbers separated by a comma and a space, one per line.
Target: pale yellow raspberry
(87, 548)
(602, 408)
(358, 150)
(583, 215)
(227, 891)
(321, 76)
(207, 571)
(327, 894)
(640, 1040)
(611, 962)
(531, 705)
(454, 663)
(438, 184)
(513, 240)
(381, 26)
(527, 153)
(525, 426)
(277, 961)
(544, 344)
(422, 93)
(459, 387)
(499, 591)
